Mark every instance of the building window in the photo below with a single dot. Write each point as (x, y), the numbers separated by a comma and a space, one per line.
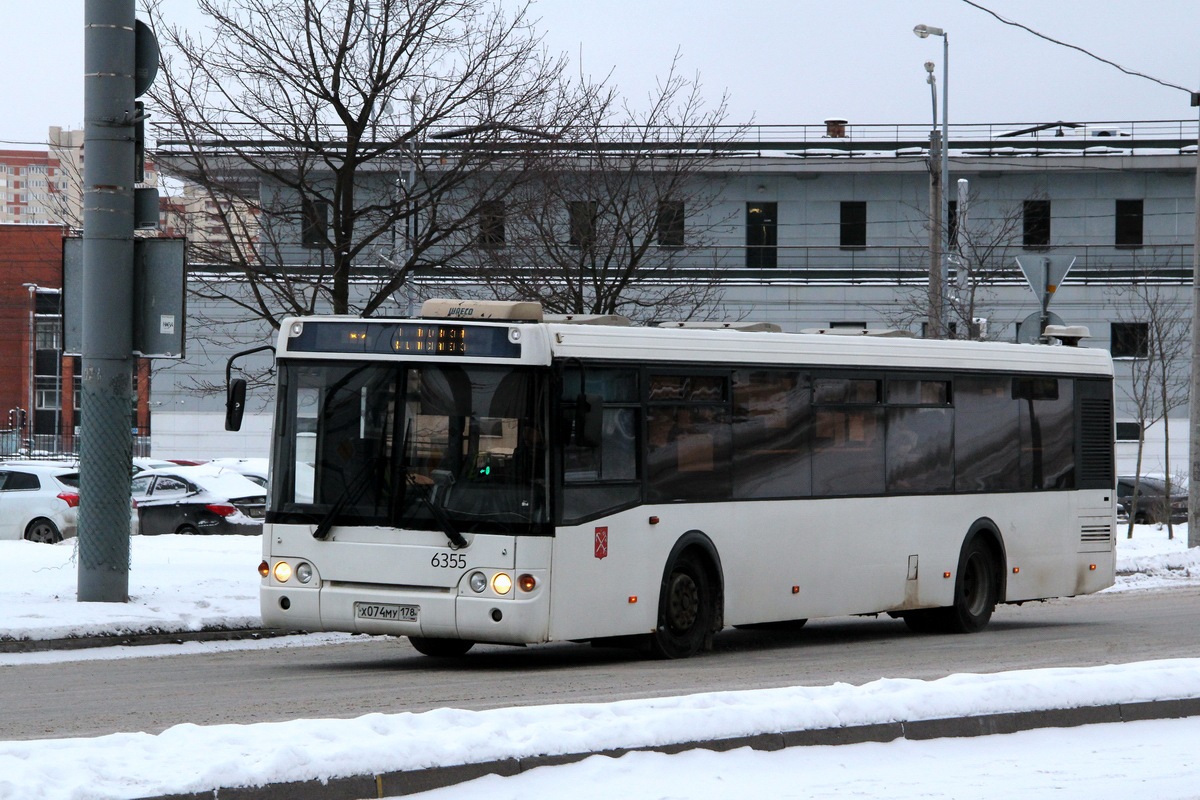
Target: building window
(46, 394)
(314, 225)
(669, 223)
(1037, 223)
(1129, 432)
(853, 225)
(1129, 223)
(491, 223)
(48, 333)
(1130, 340)
(581, 218)
(952, 224)
(761, 234)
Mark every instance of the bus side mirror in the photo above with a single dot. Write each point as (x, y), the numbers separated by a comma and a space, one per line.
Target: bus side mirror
(235, 404)
(589, 420)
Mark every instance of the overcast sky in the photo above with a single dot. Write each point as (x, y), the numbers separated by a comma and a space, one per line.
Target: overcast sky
(780, 61)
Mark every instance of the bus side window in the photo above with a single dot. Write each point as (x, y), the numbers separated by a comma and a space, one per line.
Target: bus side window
(602, 478)
(688, 455)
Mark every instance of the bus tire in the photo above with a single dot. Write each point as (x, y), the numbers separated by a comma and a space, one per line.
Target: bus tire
(440, 648)
(976, 592)
(685, 610)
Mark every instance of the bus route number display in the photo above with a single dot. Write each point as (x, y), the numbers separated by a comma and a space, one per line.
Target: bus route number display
(405, 339)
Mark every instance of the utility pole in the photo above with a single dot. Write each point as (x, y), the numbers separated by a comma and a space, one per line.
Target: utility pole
(1194, 409)
(114, 50)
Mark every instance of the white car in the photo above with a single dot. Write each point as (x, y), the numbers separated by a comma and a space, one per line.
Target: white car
(256, 469)
(38, 502)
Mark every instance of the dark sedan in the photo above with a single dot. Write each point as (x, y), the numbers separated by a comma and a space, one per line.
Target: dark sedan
(197, 499)
(1153, 505)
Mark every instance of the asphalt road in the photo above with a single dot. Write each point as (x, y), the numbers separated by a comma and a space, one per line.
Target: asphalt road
(90, 698)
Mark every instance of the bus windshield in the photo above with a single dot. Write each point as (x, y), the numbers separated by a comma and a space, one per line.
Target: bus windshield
(427, 446)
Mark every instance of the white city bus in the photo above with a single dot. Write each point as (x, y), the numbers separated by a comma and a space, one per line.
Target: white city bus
(481, 474)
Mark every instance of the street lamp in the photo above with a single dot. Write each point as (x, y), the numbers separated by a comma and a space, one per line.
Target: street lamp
(924, 32)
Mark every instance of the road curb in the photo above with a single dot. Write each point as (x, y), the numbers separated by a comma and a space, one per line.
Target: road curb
(138, 639)
(392, 784)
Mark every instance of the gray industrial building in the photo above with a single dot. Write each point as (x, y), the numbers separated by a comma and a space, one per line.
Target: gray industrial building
(828, 226)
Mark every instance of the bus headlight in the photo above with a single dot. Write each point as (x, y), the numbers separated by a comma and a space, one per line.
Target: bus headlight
(478, 582)
(526, 583)
(283, 571)
(502, 583)
(304, 572)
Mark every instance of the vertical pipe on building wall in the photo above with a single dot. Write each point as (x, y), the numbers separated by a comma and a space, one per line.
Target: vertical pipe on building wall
(106, 439)
(31, 396)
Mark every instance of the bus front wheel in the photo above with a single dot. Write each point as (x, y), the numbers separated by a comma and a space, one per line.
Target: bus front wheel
(440, 648)
(685, 610)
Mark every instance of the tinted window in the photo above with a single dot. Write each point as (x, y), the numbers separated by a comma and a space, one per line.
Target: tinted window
(987, 431)
(605, 478)
(687, 453)
(772, 424)
(1047, 411)
(848, 442)
(919, 450)
(688, 438)
(21, 481)
(166, 484)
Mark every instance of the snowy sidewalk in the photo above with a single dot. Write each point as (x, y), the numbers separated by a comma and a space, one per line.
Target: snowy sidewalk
(188, 584)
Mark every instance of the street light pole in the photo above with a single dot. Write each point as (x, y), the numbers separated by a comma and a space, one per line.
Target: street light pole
(924, 32)
(936, 287)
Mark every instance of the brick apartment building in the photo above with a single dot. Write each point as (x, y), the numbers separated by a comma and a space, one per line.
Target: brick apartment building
(39, 385)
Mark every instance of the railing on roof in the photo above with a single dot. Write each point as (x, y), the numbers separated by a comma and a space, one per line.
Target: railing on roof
(883, 265)
(981, 139)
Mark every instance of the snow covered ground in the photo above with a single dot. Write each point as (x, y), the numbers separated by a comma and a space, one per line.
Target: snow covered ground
(187, 583)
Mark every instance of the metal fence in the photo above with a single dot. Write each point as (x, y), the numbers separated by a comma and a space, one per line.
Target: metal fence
(17, 443)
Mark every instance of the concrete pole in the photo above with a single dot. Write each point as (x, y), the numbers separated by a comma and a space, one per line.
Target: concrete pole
(106, 444)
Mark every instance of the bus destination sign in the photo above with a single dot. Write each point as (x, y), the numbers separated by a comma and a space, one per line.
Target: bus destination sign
(416, 339)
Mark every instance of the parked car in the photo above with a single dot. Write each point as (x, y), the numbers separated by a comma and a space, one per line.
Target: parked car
(38, 502)
(1153, 505)
(143, 464)
(197, 499)
(256, 469)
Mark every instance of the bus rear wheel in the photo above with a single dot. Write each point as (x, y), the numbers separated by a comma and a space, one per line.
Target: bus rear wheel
(440, 648)
(685, 610)
(976, 592)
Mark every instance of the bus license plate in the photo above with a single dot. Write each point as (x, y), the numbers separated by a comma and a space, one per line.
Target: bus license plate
(387, 611)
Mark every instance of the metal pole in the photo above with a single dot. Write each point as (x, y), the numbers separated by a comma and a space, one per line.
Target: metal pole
(106, 444)
(945, 265)
(936, 287)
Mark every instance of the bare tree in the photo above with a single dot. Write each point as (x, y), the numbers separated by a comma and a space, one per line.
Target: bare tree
(981, 255)
(619, 217)
(333, 141)
(1159, 376)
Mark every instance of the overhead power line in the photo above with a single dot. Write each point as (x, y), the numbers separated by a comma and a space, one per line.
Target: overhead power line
(1086, 52)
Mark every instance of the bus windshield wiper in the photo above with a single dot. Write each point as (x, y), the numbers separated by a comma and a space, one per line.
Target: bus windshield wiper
(439, 514)
(353, 491)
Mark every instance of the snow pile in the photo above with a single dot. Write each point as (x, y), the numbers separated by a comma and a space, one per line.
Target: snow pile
(138, 764)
